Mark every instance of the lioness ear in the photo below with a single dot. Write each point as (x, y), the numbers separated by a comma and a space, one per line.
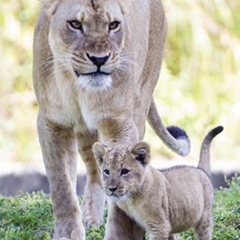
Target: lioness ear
(141, 152)
(99, 151)
(50, 6)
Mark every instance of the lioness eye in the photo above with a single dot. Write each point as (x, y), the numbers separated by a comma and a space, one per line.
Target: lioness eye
(124, 171)
(75, 25)
(106, 172)
(113, 25)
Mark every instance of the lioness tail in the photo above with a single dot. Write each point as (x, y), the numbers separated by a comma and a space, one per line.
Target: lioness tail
(174, 137)
(204, 162)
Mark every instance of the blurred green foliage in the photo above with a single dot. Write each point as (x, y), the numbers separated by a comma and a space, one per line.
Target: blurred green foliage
(29, 216)
(18, 139)
(199, 86)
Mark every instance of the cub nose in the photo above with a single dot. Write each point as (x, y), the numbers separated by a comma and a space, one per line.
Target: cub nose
(112, 188)
(98, 61)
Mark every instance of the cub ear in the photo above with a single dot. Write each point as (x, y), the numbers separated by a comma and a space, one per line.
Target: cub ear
(125, 5)
(99, 150)
(141, 152)
(49, 6)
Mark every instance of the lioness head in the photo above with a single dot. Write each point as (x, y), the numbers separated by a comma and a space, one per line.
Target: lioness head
(122, 170)
(86, 38)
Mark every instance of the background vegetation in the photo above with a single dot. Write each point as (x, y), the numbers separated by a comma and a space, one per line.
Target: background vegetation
(30, 217)
(199, 86)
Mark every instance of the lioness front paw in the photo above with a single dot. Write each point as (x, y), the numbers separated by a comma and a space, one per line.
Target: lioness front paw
(93, 206)
(76, 234)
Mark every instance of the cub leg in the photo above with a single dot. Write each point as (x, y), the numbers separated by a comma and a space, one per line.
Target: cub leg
(59, 148)
(205, 227)
(159, 235)
(159, 229)
(174, 237)
(94, 197)
(120, 227)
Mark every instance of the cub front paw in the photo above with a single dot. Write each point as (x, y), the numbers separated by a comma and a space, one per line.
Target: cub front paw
(92, 222)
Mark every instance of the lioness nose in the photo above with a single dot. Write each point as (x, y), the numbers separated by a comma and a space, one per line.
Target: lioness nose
(98, 61)
(112, 189)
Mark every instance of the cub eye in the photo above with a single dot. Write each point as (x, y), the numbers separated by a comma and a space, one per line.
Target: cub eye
(106, 172)
(76, 25)
(113, 25)
(124, 172)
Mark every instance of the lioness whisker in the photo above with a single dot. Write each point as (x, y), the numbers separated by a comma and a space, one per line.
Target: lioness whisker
(46, 68)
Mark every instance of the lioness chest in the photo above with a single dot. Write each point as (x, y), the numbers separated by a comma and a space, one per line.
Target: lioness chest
(69, 105)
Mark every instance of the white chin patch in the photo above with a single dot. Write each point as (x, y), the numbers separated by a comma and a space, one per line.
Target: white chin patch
(114, 198)
(95, 82)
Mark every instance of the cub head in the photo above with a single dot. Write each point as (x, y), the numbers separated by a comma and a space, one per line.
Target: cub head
(122, 170)
(86, 38)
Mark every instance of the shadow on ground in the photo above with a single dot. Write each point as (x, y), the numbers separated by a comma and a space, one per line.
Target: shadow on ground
(13, 184)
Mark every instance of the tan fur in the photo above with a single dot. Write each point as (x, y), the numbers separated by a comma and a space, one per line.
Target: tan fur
(161, 202)
(78, 107)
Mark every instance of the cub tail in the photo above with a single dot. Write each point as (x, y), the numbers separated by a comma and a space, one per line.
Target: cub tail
(204, 162)
(174, 137)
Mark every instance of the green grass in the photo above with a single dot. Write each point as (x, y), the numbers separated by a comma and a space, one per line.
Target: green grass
(29, 216)
(227, 209)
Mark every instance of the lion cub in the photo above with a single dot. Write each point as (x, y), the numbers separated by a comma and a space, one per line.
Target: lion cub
(161, 202)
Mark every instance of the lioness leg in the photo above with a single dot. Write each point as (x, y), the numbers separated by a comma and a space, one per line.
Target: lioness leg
(59, 148)
(120, 227)
(94, 197)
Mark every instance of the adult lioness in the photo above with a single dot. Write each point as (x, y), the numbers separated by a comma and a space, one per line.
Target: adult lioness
(96, 63)
(162, 202)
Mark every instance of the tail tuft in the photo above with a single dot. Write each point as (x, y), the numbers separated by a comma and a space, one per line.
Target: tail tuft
(214, 132)
(182, 138)
(177, 132)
